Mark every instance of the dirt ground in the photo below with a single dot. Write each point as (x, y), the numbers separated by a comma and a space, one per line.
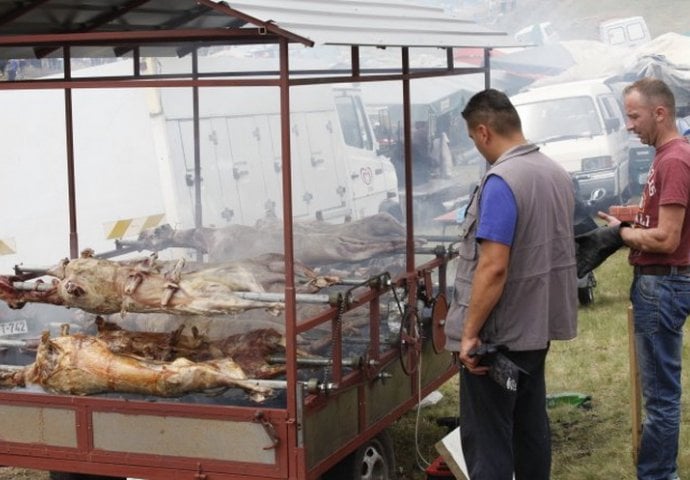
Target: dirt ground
(10, 473)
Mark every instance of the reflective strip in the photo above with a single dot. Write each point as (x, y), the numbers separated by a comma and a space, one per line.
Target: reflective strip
(153, 221)
(119, 229)
(132, 226)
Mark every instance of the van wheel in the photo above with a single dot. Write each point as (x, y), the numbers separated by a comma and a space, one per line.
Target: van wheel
(80, 476)
(375, 460)
(585, 296)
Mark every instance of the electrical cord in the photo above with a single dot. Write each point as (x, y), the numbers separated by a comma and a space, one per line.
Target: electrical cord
(422, 462)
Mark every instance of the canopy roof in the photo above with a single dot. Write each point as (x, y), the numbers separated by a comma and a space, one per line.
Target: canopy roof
(94, 28)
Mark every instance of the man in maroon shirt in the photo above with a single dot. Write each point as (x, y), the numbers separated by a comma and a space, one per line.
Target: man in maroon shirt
(659, 242)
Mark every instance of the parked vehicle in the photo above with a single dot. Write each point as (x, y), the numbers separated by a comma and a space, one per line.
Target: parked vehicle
(581, 126)
(537, 34)
(625, 32)
(641, 157)
(585, 211)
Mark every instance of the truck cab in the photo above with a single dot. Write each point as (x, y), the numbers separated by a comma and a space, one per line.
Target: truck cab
(581, 126)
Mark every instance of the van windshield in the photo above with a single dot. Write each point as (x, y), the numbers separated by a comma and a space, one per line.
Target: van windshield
(559, 119)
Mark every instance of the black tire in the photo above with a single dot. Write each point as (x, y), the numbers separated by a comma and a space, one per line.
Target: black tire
(80, 476)
(375, 460)
(585, 296)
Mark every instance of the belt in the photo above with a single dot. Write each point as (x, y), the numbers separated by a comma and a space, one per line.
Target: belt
(662, 269)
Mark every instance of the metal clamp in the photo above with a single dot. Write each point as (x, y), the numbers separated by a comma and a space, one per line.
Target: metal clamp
(314, 387)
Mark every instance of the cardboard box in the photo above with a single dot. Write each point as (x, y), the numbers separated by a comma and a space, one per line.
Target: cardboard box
(625, 213)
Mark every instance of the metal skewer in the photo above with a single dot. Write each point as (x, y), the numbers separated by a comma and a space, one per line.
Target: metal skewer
(353, 362)
(280, 297)
(33, 286)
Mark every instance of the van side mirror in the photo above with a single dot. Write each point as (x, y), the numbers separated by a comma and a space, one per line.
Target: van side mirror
(612, 124)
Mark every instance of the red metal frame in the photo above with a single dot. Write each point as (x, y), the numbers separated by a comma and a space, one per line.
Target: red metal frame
(291, 452)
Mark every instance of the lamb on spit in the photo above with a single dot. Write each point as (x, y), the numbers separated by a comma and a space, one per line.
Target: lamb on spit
(316, 243)
(83, 365)
(104, 286)
(249, 350)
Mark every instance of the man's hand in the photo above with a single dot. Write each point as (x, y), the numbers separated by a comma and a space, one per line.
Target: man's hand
(610, 219)
(471, 363)
(663, 238)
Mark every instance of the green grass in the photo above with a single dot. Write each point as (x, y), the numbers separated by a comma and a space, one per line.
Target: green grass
(587, 444)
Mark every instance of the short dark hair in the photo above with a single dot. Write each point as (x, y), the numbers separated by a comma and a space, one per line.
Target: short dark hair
(654, 91)
(492, 108)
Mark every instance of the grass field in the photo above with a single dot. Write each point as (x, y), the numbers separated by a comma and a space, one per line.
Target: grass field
(587, 443)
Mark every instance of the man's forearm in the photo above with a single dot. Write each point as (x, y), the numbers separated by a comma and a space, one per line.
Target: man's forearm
(648, 240)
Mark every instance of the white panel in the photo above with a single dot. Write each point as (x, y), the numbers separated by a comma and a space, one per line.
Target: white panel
(185, 437)
(38, 425)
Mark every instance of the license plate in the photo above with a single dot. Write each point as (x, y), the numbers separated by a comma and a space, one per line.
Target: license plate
(11, 328)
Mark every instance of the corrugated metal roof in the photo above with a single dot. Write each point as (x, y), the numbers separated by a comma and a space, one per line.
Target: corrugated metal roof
(75, 16)
(372, 23)
(332, 22)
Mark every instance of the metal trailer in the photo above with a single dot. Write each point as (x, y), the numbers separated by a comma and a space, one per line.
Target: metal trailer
(319, 423)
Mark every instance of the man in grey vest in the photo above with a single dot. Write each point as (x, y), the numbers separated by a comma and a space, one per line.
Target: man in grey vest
(515, 291)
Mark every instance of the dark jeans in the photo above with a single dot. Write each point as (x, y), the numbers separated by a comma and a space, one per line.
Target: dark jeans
(660, 306)
(503, 432)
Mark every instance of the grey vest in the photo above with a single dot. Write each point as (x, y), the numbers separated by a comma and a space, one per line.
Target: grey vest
(539, 301)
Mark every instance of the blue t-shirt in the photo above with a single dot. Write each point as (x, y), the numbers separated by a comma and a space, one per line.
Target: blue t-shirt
(498, 212)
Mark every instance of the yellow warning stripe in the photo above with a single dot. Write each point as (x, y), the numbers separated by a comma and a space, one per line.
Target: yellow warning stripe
(152, 221)
(7, 247)
(120, 228)
(128, 227)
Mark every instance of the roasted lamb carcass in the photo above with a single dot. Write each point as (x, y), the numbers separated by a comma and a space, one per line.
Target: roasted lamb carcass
(162, 346)
(248, 350)
(83, 365)
(105, 287)
(316, 243)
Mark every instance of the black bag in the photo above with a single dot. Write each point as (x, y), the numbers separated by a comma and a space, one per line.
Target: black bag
(595, 246)
(502, 370)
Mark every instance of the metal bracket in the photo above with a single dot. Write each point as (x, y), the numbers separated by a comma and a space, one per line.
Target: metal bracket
(199, 475)
(269, 428)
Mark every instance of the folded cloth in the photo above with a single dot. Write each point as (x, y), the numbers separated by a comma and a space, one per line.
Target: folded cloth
(595, 246)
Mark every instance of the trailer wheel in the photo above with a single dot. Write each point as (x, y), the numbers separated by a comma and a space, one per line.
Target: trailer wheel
(585, 295)
(375, 460)
(80, 476)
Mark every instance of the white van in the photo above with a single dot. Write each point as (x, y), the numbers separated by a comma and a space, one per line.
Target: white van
(581, 126)
(625, 32)
(337, 174)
